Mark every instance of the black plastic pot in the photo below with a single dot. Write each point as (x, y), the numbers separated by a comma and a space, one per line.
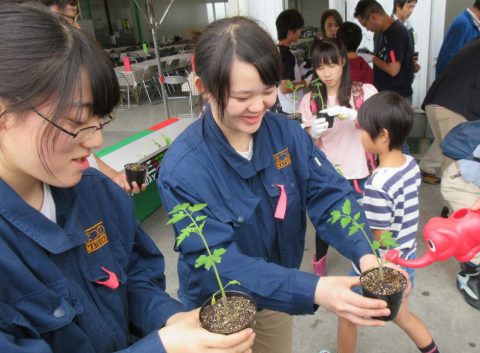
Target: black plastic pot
(136, 172)
(225, 328)
(393, 300)
(330, 119)
(295, 116)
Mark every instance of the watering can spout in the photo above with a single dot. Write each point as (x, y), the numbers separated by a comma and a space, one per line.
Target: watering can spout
(394, 256)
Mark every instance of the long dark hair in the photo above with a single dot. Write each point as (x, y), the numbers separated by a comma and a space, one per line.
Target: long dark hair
(234, 38)
(331, 51)
(43, 60)
(326, 14)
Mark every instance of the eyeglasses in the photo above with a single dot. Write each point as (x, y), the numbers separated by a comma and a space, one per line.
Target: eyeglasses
(82, 134)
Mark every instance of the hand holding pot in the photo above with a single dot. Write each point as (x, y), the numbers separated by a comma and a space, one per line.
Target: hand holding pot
(319, 127)
(335, 294)
(341, 112)
(121, 179)
(183, 334)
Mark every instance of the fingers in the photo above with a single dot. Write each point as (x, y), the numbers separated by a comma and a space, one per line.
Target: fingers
(244, 346)
(240, 339)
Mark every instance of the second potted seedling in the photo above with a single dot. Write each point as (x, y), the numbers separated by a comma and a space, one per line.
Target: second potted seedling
(225, 312)
(294, 88)
(381, 282)
(136, 172)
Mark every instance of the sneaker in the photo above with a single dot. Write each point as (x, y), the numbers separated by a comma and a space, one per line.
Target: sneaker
(326, 351)
(469, 285)
(429, 178)
(319, 266)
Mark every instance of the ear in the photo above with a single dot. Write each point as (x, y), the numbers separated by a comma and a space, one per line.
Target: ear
(200, 87)
(384, 136)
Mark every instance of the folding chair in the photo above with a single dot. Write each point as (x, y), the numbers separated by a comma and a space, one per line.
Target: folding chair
(175, 82)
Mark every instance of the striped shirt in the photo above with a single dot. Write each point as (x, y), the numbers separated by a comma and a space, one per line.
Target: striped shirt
(391, 202)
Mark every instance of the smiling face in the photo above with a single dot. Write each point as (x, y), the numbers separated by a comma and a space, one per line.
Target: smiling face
(22, 140)
(247, 103)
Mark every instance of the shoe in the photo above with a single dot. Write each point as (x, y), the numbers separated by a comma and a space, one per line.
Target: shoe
(429, 178)
(469, 285)
(326, 351)
(445, 212)
(319, 266)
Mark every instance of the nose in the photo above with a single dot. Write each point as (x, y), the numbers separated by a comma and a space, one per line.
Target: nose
(95, 140)
(258, 105)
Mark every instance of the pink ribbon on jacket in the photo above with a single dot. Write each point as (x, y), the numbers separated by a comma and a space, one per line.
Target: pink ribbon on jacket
(112, 281)
(282, 203)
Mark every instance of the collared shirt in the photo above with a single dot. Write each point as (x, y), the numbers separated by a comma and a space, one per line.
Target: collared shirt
(54, 292)
(263, 253)
(475, 19)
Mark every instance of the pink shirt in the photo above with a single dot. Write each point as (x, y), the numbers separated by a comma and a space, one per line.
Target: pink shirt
(341, 143)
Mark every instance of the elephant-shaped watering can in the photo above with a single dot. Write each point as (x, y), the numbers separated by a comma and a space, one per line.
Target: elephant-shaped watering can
(456, 236)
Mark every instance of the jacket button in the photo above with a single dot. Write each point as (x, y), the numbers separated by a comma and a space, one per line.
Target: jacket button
(59, 312)
(240, 219)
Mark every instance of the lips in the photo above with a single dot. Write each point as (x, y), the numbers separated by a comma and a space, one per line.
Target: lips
(83, 161)
(252, 120)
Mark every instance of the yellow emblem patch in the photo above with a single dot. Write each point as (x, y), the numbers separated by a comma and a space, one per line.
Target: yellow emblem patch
(97, 237)
(282, 159)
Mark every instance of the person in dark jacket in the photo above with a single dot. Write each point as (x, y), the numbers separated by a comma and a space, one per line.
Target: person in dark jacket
(259, 173)
(454, 98)
(79, 275)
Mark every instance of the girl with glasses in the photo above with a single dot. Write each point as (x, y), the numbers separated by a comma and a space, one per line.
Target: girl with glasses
(79, 275)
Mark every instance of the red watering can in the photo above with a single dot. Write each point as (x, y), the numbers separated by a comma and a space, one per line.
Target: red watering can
(457, 235)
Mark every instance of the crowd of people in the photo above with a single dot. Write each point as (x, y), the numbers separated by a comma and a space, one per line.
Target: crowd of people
(80, 274)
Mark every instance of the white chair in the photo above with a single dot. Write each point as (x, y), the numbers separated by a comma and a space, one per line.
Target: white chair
(175, 83)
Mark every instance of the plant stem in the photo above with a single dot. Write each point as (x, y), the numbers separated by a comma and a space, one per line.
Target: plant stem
(215, 270)
(379, 260)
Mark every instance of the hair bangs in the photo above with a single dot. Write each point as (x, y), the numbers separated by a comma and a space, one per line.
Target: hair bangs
(325, 53)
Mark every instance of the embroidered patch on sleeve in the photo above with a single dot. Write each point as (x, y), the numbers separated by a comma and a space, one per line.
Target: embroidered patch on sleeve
(282, 159)
(97, 237)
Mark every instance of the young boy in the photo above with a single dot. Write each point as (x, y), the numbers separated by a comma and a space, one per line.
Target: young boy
(390, 201)
(289, 29)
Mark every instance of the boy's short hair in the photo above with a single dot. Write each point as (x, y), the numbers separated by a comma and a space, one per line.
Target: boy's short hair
(387, 110)
(350, 34)
(365, 8)
(288, 20)
(476, 4)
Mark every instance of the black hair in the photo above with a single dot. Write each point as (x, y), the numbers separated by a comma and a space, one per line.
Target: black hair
(326, 14)
(288, 20)
(350, 34)
(401, 4)
(45, 61)
(232, 38)
(331, 51)
(365, 8)
(387, 110)
(476, 4)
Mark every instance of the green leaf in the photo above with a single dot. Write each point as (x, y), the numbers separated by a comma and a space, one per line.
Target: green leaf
(353, 229)
(205, 261)
(179, 207)
(200, 227)
(200, 218)
(335, 216)
(198, 207)
(213, 300)
(388, 240)
(357, 216)
(375, 245)
(233, 281)
(345, 222)
(347, 207)
(289, 84)
(177, 217)
(217, 255)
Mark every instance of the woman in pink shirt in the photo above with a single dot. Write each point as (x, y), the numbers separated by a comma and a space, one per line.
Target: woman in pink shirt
(341, 143)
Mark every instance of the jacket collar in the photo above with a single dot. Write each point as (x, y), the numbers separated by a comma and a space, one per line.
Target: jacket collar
(40, 229)
(261, 158)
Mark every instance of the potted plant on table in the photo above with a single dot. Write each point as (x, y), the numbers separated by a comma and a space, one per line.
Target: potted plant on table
(225, 312)
(382, 282)
(294, 88)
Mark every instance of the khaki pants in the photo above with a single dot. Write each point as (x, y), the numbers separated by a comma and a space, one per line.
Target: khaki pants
(459, 193)
(441, 121)
(273, 332)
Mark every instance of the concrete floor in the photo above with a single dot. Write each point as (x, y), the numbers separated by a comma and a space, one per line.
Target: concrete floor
(435, 298)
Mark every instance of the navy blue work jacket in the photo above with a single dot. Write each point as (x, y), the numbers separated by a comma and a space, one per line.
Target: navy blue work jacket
(50, 300)
(262, 253)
